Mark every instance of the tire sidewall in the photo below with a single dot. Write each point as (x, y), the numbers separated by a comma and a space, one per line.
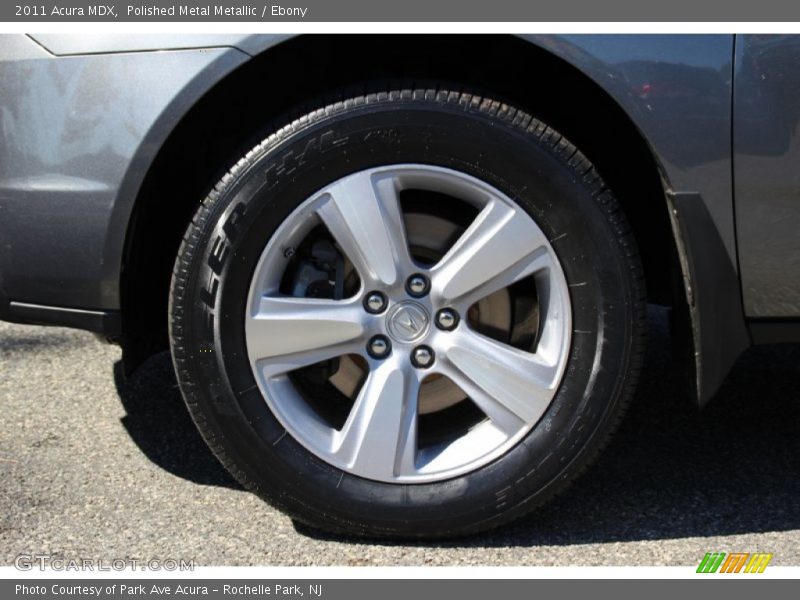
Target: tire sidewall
(250, 204)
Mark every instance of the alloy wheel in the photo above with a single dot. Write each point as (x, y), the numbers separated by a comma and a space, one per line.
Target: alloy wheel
(342, 287)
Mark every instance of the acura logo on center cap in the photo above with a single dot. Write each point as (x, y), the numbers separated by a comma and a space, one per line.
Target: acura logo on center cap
(407, 322)
(405, 319)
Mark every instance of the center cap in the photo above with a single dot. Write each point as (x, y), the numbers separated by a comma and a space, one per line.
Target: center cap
(407, 321)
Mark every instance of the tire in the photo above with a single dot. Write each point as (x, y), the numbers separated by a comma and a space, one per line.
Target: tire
(261, 425)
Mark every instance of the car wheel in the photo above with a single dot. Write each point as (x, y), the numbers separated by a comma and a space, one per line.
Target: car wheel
(408, 314)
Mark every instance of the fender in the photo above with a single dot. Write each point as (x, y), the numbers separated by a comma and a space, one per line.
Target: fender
(675, 89)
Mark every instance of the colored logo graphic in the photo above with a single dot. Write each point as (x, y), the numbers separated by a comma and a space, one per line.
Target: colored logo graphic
(735, 562)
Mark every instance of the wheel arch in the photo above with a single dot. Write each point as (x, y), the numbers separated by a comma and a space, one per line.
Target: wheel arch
(287, 79)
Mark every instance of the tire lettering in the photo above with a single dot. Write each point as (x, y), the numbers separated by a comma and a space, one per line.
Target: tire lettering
(231, 227)
(220, 250)
(208, 326)
(289, 161)
(209, 296)
(219, 254)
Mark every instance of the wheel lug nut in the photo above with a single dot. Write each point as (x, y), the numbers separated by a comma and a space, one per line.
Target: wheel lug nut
(379, 346)
(417, 285)
(375, 303)
(422, 357)
(447, 319)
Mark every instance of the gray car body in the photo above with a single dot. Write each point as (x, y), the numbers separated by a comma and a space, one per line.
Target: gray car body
(83, 118)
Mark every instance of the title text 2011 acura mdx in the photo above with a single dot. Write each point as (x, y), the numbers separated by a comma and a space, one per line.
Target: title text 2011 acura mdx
(404, 278)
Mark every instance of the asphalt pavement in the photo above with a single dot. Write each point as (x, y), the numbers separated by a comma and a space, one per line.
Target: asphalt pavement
(96, 466)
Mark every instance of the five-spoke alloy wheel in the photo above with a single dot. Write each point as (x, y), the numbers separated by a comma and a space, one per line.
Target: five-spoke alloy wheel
(404, 323)
(415, 313)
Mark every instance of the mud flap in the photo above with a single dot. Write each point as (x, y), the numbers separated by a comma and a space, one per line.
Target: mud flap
(713, 307)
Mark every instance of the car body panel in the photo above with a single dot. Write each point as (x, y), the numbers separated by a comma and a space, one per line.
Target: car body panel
(676, 89)
(767, 177)
(65, 44)
(77, 136)
(80, 131)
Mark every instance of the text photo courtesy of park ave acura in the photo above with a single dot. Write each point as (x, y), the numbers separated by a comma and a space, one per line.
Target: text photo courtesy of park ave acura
(162, 590)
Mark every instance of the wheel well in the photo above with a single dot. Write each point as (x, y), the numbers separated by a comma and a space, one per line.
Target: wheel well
(308, 71)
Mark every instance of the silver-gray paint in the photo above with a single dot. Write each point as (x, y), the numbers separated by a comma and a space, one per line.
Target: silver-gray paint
(77, 135)
(767, 172)
(99, 120)
(62, 44)
(676, 89)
